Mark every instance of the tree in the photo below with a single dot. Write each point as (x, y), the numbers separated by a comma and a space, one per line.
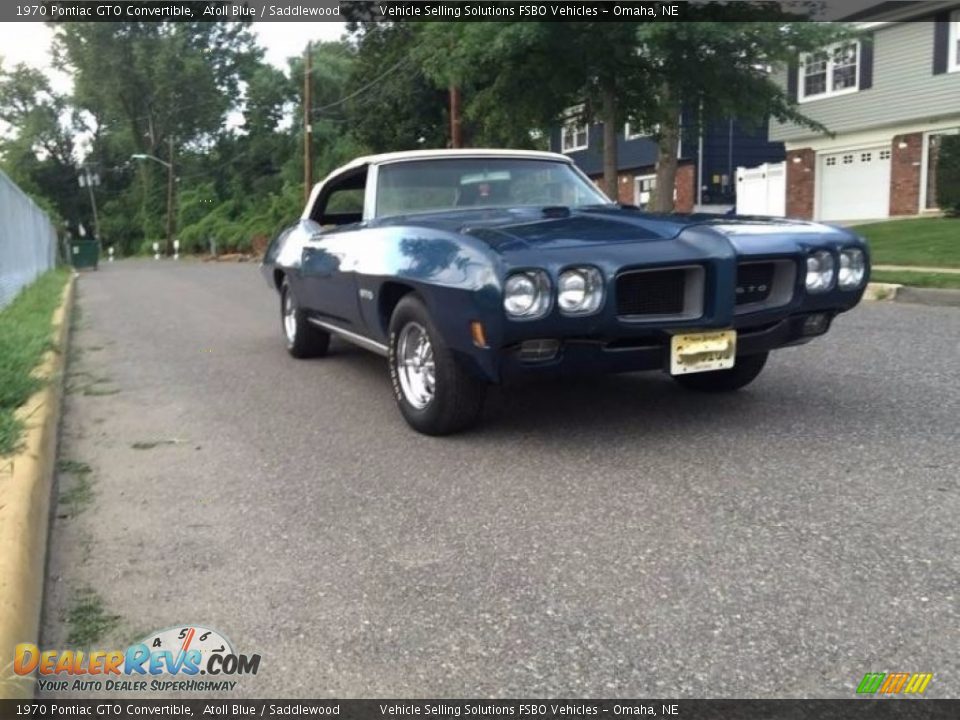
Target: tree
(37, 149)
(139, 84)
(520, 77)
(720, 67)
(397, 106)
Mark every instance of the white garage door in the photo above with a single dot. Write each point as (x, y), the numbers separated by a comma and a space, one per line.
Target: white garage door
(855, 185)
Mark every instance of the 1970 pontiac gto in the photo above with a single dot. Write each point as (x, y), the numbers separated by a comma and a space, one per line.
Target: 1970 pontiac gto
(470, 267)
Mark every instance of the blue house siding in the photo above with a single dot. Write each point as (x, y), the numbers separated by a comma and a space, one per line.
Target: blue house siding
(726, 145)
(631, 153)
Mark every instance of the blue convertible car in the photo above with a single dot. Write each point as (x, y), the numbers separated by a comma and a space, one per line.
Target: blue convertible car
(469, 267)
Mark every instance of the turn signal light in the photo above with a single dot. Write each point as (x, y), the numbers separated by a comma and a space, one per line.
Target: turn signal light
(478, 335)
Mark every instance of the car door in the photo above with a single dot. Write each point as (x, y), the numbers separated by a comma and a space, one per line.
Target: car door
(336, 230)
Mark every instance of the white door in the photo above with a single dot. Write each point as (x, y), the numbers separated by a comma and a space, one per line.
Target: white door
(854, 185)
(762, 190)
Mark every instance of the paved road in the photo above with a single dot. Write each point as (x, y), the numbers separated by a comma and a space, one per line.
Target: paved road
(610, 537)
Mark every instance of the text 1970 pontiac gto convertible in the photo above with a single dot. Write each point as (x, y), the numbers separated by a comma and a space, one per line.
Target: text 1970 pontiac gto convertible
(469, 267)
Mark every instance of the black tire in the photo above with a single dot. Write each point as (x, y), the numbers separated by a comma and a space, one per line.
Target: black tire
(303, 339)
(456, 402)
(744, 372)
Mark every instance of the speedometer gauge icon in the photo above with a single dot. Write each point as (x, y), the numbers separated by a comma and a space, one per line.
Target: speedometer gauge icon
(181, 639)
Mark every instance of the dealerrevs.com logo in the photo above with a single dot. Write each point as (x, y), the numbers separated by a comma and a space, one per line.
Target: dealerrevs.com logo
(894, 683)
(184, 658)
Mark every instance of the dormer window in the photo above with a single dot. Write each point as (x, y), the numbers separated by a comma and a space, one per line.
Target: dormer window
(634, 130)
(835, 70)
(575, 133)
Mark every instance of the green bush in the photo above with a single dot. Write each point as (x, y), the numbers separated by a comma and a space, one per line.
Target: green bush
(233, 224)
(948, 174)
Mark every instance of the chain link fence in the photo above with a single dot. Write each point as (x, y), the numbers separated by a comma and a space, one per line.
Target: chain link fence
(28, 240)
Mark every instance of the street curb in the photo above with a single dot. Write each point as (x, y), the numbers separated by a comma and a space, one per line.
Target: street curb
(26, 485)
(944, 297)
(892, 292)
(881, 291)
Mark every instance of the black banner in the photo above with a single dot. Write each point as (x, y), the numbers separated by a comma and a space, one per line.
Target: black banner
(854, 709)
(405, 10)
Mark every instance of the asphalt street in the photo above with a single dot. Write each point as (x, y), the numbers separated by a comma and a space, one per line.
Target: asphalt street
(612, 536)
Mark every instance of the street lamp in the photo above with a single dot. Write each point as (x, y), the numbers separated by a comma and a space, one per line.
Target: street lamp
(88, 179)
(169, 167)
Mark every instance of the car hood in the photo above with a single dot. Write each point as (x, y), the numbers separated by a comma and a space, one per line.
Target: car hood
(515, 229)
(507, 229)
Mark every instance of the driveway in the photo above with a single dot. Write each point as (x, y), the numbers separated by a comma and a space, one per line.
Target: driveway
(613, 536)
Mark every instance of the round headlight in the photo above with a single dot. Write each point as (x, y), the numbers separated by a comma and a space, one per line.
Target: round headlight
(580, 291)
(820, 270)
(853, 268)
(526, 294)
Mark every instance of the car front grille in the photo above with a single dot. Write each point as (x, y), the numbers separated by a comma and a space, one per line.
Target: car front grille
(754, 282)
(652, 292)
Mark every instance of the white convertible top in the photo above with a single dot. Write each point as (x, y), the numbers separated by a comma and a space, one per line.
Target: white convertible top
(397, 157)
(385, 158)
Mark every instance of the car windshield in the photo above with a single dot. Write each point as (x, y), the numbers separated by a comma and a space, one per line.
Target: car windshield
(455, 183)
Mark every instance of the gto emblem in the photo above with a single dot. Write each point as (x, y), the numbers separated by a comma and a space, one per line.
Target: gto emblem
(742, 289)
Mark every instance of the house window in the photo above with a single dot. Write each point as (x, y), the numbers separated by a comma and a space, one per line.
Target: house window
(632, 131)
(884, 154)
(954, 47)
(832, 71)
(575, 134)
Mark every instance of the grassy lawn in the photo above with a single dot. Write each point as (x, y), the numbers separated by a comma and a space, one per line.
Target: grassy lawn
(916, 279)
(926, 241)
(25, 334)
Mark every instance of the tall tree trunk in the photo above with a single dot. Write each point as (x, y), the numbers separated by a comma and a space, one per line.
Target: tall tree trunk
(609, 116)
(667, 152)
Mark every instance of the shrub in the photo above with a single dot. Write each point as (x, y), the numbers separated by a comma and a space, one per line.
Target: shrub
(948, 175)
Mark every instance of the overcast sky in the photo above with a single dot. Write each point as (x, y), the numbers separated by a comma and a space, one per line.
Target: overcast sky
(30, 43)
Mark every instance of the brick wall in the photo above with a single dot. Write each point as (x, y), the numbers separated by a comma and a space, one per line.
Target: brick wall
(686, 185)
(625, 188)
(905, 174)
(801, 177)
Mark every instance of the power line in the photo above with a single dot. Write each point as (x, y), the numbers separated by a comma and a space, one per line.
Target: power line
(364, 88)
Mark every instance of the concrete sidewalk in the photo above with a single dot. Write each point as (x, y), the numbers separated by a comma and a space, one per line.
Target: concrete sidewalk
(918, 268)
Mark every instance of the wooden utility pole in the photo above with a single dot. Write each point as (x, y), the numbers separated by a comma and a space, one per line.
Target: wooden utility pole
(307, 127)
(456, 134)
(170, 179)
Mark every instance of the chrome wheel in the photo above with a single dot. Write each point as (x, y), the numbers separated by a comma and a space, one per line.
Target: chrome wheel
(415, 365)
(289, 318)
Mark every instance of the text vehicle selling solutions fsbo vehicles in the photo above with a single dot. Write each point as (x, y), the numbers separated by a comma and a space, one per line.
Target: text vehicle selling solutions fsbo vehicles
(471, 267)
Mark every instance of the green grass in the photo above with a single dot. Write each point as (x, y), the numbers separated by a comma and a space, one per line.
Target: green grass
(916, 279)
(151, 444)
(87, 620)
(25, 334)
(99, 392)
(79, 494)
(934, 242)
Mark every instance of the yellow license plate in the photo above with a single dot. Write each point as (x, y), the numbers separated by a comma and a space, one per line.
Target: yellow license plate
(702, 351)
